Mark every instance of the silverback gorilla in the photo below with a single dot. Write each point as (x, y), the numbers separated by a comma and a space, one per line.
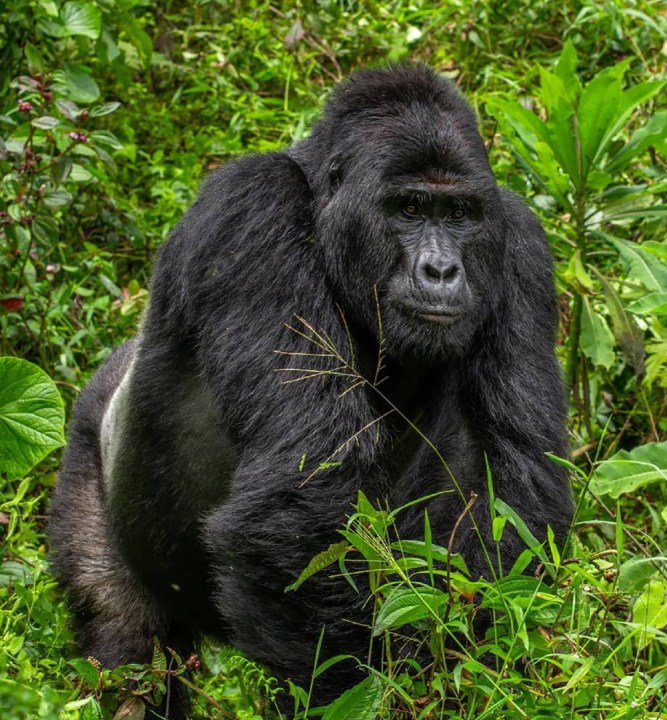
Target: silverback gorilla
(181, 506)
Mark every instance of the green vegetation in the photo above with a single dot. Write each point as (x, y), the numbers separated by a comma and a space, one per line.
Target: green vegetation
(110, 113)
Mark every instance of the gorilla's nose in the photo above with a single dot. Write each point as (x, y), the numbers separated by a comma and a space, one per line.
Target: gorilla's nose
(436, 269)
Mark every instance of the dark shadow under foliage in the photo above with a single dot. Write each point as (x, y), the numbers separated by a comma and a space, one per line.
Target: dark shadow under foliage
(210, 459)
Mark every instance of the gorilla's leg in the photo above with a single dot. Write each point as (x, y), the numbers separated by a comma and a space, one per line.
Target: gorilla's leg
(115, 618)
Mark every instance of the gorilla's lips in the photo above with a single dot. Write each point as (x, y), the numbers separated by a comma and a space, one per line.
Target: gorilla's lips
(440, 315)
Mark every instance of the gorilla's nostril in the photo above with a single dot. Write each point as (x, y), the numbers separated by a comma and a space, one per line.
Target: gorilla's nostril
(450, 272)
(432, 272)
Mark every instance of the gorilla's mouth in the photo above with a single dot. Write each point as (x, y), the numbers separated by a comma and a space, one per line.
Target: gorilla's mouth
(443, 316)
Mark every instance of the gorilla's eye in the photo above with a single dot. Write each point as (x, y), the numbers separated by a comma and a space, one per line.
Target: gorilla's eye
(412, 208)
(457, 213)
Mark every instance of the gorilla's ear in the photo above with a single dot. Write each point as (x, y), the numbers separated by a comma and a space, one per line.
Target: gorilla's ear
(335, 172)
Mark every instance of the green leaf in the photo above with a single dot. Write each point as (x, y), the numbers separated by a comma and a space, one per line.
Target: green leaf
(91, 710)
(502, 508)
(625, 471)
(650, 610)
(408, 605)
(12, 573)
(652, 304)
(32, 416)
(360, 702)
(643, 266)
(105, 109)
(597, 339)
(566, 69)
(322, 560)
(82, 19)
(159, 660)
(626, 331)
(79, 85)
(598, 111)
(57, 199)
(46, 122)
(133, 708)
(88, 673)
(653, 134)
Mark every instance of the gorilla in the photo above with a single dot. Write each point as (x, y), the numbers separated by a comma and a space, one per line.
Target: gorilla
(312, 308)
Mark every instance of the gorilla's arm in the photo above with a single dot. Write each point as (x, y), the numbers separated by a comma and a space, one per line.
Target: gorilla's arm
(230, 283)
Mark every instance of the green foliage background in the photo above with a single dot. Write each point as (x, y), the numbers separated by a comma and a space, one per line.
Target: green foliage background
(110, 113)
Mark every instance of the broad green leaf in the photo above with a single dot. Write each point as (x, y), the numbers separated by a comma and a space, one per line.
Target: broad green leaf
(133, 708)
(82, 19)
(88, 673)
(626, 471)
(57, 198)
(321, 561)
(642, 266)
(46, 122)
(408, 605)
(627, 103)
(12, 573)
(626, 331)
(78, 84)
(635, 573)
(32, 416)
(650, 609)
(597, 339)
(652, 304)
(599, 109)
(561, 126)
(360, 702)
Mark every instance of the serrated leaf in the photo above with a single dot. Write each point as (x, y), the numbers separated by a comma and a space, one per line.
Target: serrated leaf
(626, 471)
(321, 561)
(159, 660)
(91, 711)
(82, 19)
(360, 702)
(597, 339)
(32, 416)
(408, 605)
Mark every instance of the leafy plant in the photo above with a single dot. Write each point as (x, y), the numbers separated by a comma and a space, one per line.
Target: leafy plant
(579, 153)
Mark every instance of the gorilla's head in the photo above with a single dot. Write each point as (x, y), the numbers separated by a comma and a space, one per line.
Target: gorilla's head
(406, 204)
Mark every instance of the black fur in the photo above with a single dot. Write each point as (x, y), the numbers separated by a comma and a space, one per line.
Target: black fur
(385, 227)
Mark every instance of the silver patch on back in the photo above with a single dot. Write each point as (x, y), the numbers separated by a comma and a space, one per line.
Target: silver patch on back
(112, 425)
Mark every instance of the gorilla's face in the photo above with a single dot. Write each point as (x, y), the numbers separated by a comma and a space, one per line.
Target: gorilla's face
(441, 285)
(413, 236)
